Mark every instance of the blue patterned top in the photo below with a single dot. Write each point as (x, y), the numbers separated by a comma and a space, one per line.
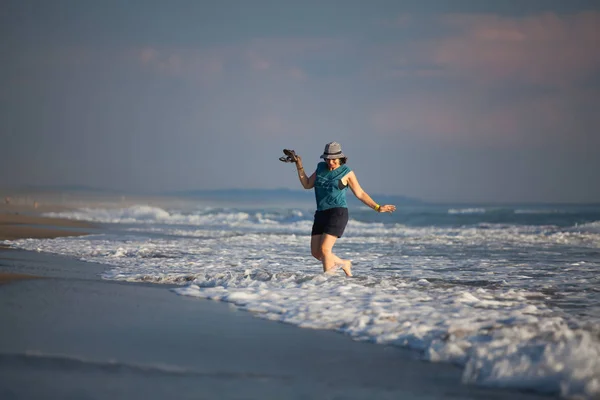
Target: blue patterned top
(329, 192)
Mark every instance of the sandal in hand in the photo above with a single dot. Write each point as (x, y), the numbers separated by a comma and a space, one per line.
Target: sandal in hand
(290, 156)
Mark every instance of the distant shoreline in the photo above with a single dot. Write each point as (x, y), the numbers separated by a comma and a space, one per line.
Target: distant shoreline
(82, 196)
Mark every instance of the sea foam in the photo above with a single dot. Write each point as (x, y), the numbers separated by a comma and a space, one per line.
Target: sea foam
(513, 304)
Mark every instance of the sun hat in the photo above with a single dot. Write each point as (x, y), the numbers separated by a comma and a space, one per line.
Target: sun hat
(332, 150)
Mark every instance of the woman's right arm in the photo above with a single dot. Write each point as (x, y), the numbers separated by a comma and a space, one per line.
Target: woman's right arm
(306, 181)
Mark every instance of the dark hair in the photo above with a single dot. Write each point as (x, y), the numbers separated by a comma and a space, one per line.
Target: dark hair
(343, 160)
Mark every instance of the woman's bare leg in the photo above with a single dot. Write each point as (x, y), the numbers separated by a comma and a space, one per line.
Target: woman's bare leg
(315, 249)
(330, 260)
(315, 246)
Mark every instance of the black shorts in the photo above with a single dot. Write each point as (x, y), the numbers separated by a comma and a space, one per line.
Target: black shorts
(332, 221)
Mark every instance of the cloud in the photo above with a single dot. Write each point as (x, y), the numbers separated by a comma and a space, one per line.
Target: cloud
(274, 57)
(460, 78)
(258, 62)
(488, 49)
(297, 73)
(491, 80)
(545, 49)
(471, 118)
(194, 64)
(147, 55)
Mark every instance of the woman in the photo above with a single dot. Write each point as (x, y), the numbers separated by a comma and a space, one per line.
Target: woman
(331, 181)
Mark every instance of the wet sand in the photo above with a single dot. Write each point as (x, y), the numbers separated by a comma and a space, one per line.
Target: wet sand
(6, 277)
(16, 225)
(19, 226)
(74, 335)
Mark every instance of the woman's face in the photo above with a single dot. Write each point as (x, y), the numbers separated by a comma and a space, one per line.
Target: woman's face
(332, 163)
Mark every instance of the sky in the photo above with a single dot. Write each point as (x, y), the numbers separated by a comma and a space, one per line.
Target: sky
(445, 101)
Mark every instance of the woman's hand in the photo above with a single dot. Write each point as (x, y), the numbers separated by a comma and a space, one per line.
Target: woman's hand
(298, 161)
(387, 208)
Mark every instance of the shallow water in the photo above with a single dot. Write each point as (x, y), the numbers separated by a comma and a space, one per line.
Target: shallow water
(509, 294)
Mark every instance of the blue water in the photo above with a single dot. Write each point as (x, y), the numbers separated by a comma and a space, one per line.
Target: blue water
(510, 293)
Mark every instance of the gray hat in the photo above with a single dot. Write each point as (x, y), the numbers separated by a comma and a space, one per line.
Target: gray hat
(332, 150)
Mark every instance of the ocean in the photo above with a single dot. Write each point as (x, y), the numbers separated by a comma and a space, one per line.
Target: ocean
(510, 294)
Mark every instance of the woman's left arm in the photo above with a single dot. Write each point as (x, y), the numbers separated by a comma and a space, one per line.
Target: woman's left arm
(360, 194)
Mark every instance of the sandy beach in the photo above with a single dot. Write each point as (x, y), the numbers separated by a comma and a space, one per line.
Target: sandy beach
(19, 226)
(75, 335)
(24, 221)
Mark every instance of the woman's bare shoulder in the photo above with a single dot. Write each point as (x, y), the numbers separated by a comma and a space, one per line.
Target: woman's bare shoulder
(348, 177)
